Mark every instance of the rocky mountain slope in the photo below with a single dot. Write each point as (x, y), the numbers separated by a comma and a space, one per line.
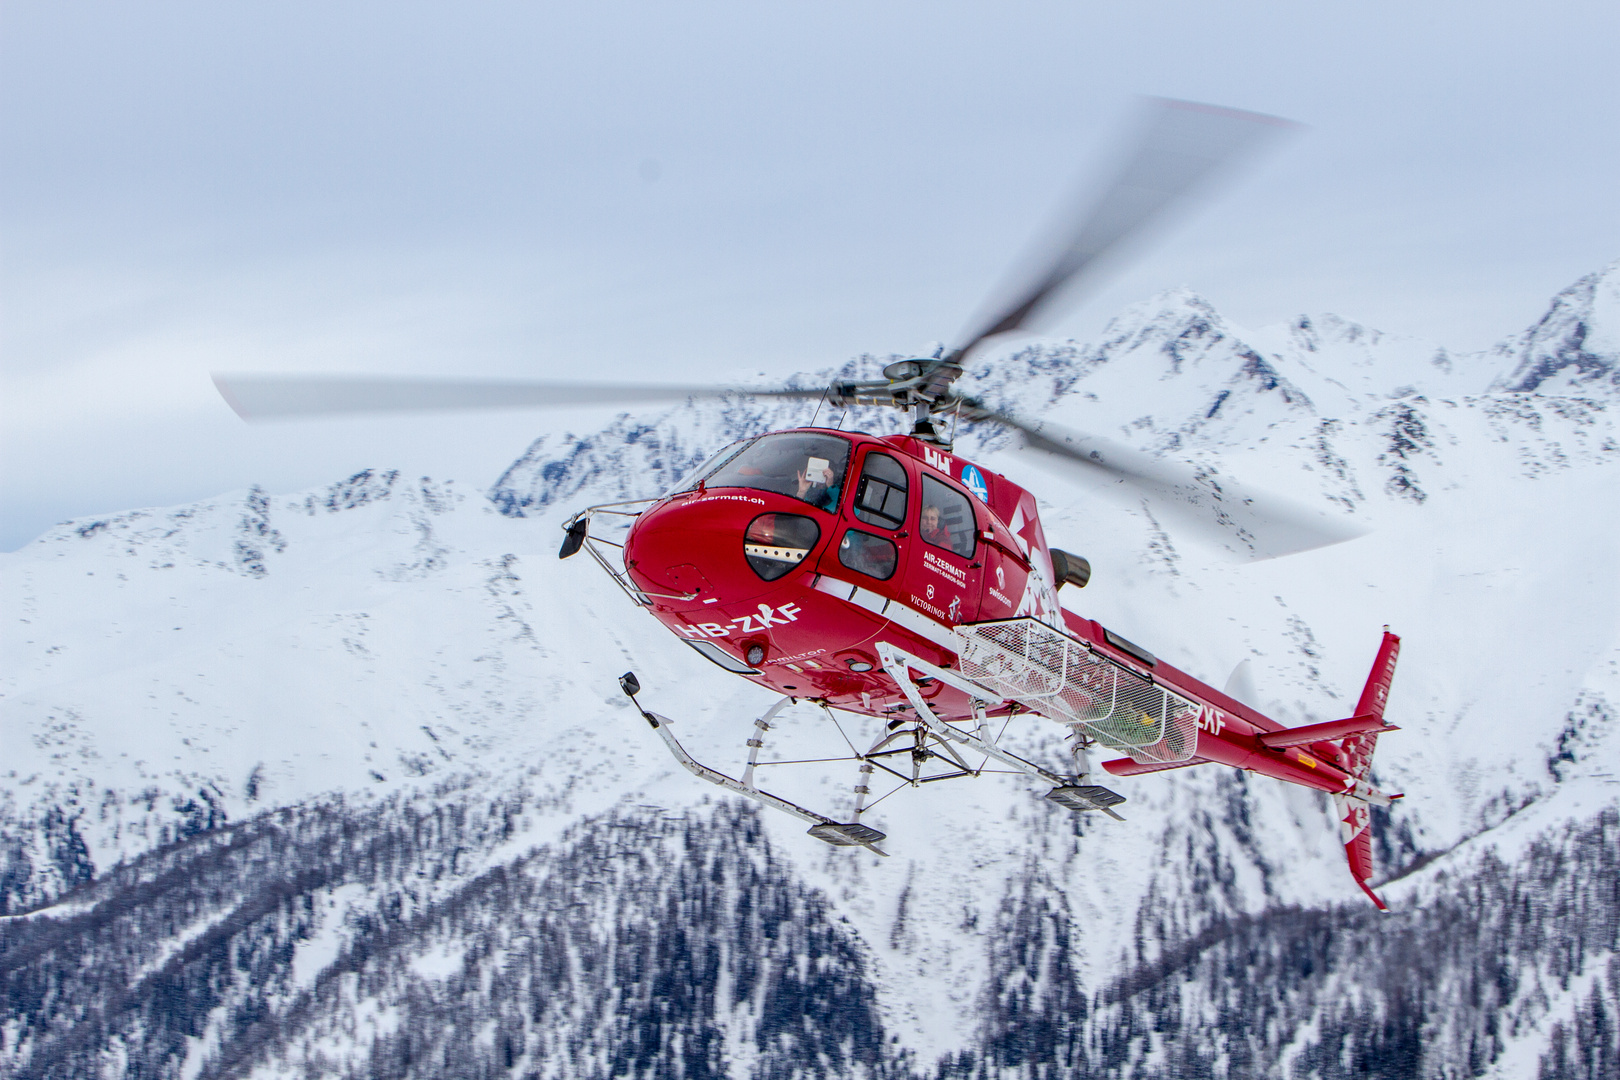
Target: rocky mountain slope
(341, 783)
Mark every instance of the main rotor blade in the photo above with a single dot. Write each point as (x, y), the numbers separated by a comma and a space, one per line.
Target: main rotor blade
(1255, 524)
(1179, 147)
(268, 397)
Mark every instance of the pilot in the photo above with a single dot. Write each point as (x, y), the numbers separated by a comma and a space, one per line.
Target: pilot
(815, 484)
(932, 530)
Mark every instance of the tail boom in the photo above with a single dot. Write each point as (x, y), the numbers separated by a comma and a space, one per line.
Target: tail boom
(1333, 757)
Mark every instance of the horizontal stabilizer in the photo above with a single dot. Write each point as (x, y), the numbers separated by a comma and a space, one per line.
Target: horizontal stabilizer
(1127, 767)
(1328, 731)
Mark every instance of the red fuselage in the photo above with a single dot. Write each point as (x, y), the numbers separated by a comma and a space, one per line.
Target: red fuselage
(791, 580)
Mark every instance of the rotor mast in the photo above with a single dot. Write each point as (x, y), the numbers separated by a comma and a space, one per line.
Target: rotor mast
(921, 385)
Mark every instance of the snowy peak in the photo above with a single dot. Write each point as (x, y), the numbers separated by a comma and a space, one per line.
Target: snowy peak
(1329, 333)
(1351, 369)
(1173, 370)
(1169, 374)
(1575, 348)
(1369, 365)
(1181, 332)
(634, 458)
(247, 533)
(639, 458)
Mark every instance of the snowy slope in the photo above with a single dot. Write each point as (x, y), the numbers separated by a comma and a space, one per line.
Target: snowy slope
(399, 643)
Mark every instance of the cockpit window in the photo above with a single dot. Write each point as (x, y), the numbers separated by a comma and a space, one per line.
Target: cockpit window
(713, 462)
(808, 467)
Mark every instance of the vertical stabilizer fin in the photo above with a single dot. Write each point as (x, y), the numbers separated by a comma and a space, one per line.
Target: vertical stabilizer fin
(1375, 695)
(1358, 749)
(1355, 819)
(1355, 815)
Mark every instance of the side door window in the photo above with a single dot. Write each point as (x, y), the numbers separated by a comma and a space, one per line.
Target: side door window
(880, 494)
(947, 518)
(944, 575)
(879, 503)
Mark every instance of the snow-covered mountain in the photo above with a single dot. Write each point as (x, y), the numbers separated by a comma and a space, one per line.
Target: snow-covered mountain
(341, 783)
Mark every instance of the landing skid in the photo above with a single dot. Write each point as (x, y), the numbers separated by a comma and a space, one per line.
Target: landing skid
(842, 834)
(937, 751)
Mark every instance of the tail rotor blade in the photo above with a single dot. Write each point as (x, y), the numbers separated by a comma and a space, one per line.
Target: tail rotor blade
(1179, 148)
(270, 397)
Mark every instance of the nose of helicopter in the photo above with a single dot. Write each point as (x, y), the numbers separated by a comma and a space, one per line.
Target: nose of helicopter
(709, 547)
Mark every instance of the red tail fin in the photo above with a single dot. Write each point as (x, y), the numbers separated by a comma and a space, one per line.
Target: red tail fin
(1375, 695)
(1354, 812)
(1358, 749)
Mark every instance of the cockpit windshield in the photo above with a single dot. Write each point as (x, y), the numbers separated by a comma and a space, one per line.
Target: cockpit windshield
(713, 461)
(808, 467)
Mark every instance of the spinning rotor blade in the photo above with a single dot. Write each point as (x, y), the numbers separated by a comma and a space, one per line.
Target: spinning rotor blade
(1179, 148)
(1258, 525)
(268, 397)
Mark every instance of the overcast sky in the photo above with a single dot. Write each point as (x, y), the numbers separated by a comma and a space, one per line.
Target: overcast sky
(709, 190)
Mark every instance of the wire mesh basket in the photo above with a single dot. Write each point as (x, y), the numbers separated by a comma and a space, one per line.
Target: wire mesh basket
(1063, 678)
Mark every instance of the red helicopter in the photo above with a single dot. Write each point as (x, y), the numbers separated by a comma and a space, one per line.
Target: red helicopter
(887, 577)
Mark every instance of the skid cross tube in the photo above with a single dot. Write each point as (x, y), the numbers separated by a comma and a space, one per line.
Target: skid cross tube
(897, 662)
(762, 725)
